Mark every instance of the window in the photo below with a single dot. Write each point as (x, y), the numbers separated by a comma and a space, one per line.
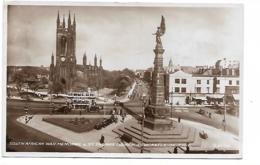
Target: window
(177, 89)
(208, 89)
(218, 81)
(207, 81)
(230, 71)
(183, 90)
(198, 89)
(237, 82)
(198, 81)
(183, 81)
(230, 82)
(177, 81)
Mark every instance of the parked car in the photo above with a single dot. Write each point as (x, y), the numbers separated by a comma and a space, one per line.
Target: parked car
(95, 108)
(203, 135)
(63, 109)
(216, 106)
(118, 103)
(105, 122)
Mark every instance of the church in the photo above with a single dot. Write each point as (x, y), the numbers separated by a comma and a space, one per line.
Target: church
(65, 71)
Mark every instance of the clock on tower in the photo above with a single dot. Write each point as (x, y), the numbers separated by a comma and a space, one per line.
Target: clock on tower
(62, 59)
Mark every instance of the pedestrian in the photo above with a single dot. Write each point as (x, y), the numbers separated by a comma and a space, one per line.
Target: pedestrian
(114, 111)
(179, 119)
(102, 142)
(175, 150)
(209, 115)
(123, 118)
(26, 119)
(120, 112)
(80, 112)
(187, 148)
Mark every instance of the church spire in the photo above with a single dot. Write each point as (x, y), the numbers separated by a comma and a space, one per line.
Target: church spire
(100, 62)
(74, 20)
(69, 21)
(58, 19)
(63, 23)
(52, 58)
(95, 60)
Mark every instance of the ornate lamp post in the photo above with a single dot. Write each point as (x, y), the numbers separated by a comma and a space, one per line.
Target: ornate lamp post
(171, 96)
(142, 124)
(225, 110)
(26, 107)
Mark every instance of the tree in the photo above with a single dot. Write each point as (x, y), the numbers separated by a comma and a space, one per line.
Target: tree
(44, 80)
(34, 86)
(19, 79)
(57, 87)
(122, 83)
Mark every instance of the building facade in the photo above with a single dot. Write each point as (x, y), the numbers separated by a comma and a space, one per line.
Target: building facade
(208, 83)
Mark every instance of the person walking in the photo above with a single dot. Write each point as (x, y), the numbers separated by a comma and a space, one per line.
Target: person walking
(175, 150)
(123, 118)
(187, 148)
(102, 142)
(179, 119)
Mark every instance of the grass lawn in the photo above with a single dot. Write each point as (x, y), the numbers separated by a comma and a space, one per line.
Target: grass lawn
(75, 124)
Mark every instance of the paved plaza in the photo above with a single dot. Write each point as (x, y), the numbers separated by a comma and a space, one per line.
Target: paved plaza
(89, 141)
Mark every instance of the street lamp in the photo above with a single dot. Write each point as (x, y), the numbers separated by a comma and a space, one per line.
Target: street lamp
(225, 110)
(142, 126)
(225, 107)
(171, 95)
(50, 86)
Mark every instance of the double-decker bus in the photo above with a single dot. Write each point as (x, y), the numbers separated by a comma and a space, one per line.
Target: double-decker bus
(81, 100)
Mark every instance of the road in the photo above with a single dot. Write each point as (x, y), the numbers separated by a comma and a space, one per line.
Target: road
(187, 112)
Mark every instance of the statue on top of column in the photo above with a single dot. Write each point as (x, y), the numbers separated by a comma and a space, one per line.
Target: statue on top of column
(160, 31)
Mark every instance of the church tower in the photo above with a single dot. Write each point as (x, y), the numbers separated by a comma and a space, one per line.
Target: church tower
(65, 52)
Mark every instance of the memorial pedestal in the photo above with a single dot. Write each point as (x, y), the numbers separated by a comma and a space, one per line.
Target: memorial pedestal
(157, 118)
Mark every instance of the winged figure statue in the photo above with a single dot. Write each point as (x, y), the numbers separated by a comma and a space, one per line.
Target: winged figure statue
(160, 31)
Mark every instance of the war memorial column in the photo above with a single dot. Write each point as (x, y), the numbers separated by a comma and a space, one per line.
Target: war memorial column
(157, 114)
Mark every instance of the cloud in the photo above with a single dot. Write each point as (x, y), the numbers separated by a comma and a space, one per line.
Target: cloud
(122, 36)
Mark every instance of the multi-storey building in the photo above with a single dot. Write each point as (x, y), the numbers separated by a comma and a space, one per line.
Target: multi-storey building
(212, 82)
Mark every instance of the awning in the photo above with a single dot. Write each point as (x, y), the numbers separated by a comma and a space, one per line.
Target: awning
(200, 98)
(236, 97)
(216, 96)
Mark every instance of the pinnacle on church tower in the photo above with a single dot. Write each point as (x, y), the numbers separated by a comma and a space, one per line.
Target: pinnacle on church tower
(85, 59)
(58, 19)
(69, 21)
(63, 22)
(100, 62)
(74, 20)
(52, 58)
(95, 60)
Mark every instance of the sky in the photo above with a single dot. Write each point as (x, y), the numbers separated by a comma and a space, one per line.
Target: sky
(122, 36)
